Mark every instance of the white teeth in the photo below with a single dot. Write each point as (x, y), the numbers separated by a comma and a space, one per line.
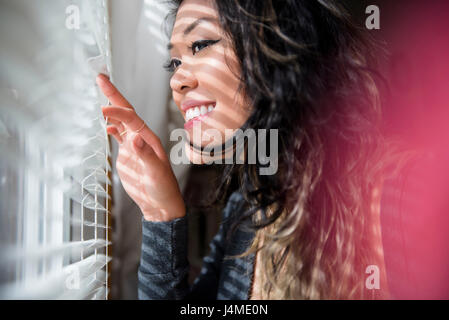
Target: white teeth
(198, 111)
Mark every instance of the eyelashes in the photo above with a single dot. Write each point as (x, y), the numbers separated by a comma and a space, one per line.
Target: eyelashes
(199, 45)
(195, 47)
(171, 65)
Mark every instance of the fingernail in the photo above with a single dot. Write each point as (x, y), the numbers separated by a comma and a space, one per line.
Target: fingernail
(101, 78)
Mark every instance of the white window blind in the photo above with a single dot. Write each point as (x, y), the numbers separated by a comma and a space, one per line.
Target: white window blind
(54, 151)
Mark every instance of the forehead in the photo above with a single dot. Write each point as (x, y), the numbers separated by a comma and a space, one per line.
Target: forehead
(192, 10)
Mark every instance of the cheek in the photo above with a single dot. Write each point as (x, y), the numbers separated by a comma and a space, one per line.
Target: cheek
(219, 79)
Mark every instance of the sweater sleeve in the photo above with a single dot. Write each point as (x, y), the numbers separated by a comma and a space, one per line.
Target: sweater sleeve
(164, 267)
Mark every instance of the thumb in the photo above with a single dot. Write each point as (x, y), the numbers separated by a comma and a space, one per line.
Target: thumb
(144, 150)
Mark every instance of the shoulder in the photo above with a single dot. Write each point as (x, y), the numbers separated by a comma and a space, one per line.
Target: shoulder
(234, 203)
(236, 199)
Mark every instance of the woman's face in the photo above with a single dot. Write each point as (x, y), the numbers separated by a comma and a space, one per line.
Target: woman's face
(206, 72)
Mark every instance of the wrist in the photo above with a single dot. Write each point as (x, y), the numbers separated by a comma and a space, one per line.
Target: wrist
(164, 215)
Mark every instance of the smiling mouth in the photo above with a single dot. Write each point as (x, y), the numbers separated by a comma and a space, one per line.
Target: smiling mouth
(197, 111)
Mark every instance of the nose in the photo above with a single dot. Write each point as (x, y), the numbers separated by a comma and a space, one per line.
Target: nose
(183, 80)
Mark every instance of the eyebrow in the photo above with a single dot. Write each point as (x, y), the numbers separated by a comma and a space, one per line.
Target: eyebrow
(192, 26)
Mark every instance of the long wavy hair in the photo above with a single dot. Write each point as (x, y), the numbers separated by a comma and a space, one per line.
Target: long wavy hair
(308, 72)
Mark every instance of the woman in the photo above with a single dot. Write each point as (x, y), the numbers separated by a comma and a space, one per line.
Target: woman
(310, 230)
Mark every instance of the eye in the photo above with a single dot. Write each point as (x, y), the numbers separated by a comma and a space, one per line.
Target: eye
(196, 47)
(172, 64)
(199, 45)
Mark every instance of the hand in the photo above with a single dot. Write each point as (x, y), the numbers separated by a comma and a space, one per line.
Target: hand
(142, 164)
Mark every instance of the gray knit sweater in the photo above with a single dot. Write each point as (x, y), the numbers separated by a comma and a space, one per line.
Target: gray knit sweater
(164, 267)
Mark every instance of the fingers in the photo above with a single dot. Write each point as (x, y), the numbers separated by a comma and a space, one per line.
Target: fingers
(112, 130)
(122, 114)
(134, 123)
(111, 92)
(118, 124)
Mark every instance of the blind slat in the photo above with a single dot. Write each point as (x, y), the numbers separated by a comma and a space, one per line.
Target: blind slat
(55, 151)
(66, 282)
(88, 286)
(13, 254)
